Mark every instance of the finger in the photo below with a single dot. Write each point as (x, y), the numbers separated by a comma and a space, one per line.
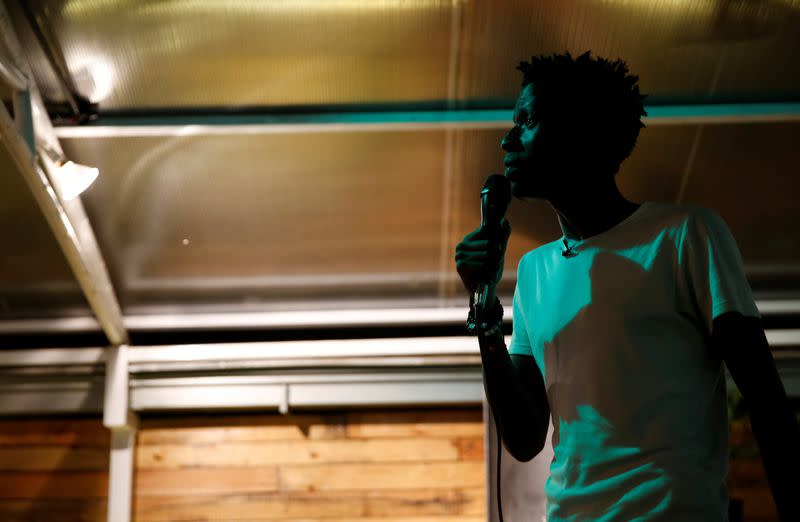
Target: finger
(475, 244)
(472, 257)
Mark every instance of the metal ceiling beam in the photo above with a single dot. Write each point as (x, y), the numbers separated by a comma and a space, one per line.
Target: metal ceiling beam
(357, 317)
(13, 76)
(66, 219)
(203, 125)
(86, 262)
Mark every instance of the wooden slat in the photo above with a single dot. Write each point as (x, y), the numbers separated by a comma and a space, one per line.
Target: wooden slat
(267, 427)
(431, 502)
(49, 458)
(36, 484)
(278, 506)
(470, 448)
(270, 426)
(289, 452)
(41, 510)
(327, 477)
(415, 423)
(389, 464)
(399, 519)
(206, 481)
(79, 431)
(413, 502)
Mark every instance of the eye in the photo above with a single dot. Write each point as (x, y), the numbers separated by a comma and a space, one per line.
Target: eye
(530, 123)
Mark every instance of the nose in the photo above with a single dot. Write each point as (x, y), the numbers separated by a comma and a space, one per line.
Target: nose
(510, 142)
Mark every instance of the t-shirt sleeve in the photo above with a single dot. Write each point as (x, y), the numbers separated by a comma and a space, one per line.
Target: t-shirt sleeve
(716, 273)
(520, 343)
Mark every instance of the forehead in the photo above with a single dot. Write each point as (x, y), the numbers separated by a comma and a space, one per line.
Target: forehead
(525, 99)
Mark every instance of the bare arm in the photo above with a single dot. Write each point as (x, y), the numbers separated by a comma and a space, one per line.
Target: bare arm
(516, 393)
(741, 342)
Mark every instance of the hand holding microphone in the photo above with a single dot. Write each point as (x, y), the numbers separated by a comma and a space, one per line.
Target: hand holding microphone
(480, 255)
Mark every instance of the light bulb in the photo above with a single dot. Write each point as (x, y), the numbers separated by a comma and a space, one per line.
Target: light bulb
(74, 178)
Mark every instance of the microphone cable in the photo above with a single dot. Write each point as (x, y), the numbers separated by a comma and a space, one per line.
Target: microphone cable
(499, 452)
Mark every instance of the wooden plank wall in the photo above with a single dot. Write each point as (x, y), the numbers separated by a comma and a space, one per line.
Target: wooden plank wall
(388, 465)
(371, 465)
(53, 469)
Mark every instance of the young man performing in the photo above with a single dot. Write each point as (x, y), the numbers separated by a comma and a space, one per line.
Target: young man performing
(621, 326)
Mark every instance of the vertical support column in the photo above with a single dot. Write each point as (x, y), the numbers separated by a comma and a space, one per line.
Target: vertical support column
(123, 424)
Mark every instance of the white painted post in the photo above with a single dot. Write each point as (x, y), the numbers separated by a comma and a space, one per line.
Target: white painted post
(123, 424)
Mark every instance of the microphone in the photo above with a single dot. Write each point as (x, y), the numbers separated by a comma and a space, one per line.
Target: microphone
(495, 197)
(567, 251)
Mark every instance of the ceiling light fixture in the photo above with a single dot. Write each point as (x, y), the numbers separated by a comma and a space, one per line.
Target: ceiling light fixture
(70, 178)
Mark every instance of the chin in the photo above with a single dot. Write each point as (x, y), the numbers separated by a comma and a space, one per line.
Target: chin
(520, 190)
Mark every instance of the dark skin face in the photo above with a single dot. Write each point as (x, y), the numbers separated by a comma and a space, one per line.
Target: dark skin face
(549, 160)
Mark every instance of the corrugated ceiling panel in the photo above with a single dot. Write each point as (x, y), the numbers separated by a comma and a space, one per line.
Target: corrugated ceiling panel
(267, 220)
(749, 173)
(126, 54)
(228, 53)
(35, 280)
(701, 50)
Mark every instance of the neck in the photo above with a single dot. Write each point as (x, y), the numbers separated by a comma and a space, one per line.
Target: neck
(591, 212)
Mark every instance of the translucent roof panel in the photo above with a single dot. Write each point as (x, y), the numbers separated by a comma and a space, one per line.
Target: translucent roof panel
(250, 52)
(232, 222)
(693, 51)
(749, 173)
(222, 53)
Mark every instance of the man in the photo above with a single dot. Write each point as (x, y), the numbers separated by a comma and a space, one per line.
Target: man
(622, 325)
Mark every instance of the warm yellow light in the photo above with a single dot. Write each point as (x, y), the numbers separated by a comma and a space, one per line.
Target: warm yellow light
(74, 178)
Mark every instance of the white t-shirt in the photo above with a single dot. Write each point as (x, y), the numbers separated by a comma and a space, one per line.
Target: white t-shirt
(620, 332)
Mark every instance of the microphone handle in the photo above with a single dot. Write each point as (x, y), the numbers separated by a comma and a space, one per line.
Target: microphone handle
(482, 296)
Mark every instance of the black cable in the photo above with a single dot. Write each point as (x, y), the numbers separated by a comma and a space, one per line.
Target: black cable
(79, 107)
(499, 451)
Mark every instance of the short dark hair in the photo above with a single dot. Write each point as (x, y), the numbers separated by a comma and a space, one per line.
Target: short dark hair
(590, 87)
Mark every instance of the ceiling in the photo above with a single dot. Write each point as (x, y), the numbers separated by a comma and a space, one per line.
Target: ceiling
(210, 200)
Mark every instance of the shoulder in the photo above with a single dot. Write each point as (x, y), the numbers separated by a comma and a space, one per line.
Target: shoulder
(540, 253)
(689, 220)
(679, 213)
(704, 222)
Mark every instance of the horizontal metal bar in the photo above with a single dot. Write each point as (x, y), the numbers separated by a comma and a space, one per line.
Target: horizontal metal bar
(260, 351)
(782, 338)
(312, 388)
(80, 394)
(357, 317)
(302, 319)
(340, 389)
(350, 352)
(52, 357)
(197, 125)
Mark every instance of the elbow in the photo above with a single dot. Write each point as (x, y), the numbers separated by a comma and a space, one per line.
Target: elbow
(525, 449)
(527, 454)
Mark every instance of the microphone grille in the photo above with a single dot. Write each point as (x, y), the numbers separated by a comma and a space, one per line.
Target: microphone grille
(500, 188)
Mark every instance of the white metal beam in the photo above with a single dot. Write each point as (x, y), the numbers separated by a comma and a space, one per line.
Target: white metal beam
(66, 219)
(85, 263)
(123, 423)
